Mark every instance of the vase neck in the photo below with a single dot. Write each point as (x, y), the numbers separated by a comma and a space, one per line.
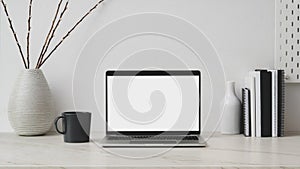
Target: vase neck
(230, 89)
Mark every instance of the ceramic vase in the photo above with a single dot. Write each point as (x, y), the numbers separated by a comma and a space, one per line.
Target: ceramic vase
(30, 108)
(232, 110)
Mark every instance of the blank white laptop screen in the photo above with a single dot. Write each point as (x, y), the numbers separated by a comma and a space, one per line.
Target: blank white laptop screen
(153, 103)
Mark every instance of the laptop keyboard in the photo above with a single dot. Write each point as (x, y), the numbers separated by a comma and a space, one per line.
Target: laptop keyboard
(161, 137)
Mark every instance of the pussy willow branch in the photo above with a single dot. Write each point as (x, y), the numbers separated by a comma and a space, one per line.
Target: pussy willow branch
(70, 31)
(56, 26)
(14, 33)
(48, 35)
(28, 32)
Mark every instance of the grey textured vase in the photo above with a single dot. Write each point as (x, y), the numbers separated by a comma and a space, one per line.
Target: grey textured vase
(30, 108)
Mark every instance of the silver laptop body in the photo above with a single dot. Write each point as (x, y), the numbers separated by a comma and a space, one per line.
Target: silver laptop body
(133, 129)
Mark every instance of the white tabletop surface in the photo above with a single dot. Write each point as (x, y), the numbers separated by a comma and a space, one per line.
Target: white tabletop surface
(222, 151)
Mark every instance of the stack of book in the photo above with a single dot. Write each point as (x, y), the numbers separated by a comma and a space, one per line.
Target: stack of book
(263, 104)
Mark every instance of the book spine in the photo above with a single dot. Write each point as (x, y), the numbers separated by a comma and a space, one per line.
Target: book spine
(266, 104)
(274, 103)
(252, 103)
(249, 112)
(257, 104)
(245, 107)
(244, 110)
(281, 102)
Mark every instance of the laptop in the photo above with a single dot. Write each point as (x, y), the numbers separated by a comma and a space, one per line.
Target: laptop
(153, 108)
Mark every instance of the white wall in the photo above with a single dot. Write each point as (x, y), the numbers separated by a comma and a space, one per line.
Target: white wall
(241, 30)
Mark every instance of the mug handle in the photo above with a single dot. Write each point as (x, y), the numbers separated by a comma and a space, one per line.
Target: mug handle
(56, 121)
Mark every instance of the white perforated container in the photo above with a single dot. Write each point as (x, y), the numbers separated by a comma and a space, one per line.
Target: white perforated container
(288, 39)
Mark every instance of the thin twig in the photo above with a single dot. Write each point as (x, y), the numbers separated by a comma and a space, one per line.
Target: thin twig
(69, 32)
(48, 35)
(28, 32)
(14, 33)
(56, 26)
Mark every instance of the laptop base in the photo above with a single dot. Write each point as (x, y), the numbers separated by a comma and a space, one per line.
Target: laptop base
(108, 143)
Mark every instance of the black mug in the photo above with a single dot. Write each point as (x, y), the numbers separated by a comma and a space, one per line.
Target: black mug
(75, 125)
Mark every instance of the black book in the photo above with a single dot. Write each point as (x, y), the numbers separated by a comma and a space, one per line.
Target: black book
(281, 102)
(266, 103)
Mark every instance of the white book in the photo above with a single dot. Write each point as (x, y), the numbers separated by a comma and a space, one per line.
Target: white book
(274, 103)
(257, 104)
(252, 102)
